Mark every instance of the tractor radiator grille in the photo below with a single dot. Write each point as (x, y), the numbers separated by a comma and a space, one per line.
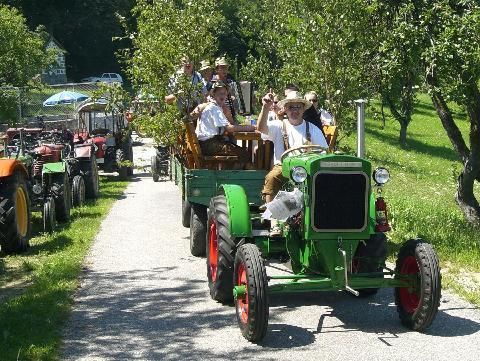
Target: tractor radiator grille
(38, 164)
(340, 201)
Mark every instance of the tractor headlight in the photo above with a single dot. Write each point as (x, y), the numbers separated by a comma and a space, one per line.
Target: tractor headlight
(299, 174)
(381, 176)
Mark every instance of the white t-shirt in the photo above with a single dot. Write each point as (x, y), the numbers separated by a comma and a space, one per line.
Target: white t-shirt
(272, 117)
(297, 135)
(211, 122)
(325, 117)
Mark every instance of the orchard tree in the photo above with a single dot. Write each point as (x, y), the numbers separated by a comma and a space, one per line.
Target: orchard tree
(167, 31)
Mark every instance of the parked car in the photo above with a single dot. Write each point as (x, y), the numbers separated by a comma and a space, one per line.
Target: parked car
(104, 78)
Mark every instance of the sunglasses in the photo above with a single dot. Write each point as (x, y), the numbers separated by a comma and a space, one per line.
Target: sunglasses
(295, 107)
(313, 100)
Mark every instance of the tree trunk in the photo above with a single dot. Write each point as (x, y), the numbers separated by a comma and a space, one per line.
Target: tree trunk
(403, 134)
(465, 196)
(403, 120)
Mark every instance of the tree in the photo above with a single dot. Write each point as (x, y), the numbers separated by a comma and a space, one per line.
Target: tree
(22, 57)
(167, 31)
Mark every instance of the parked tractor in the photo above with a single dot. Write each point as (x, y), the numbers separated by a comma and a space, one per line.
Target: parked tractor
(15, 214)
(48, 182)
(333, 220)
(108, 134)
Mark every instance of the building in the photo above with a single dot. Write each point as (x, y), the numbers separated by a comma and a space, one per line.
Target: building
(56, 73)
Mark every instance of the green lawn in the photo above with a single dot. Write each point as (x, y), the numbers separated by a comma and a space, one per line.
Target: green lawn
(421, 192)
(36, 287)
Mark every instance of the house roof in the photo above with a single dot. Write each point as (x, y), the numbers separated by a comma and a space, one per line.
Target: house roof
(56, 42)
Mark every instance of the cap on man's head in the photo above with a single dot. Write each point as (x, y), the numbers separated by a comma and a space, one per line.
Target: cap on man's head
(294, 97)
(185, 59)
(204, 65)
(219, 84)
(221, 61)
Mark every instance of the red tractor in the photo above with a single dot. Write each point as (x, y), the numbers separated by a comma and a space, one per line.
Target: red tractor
(108, 134)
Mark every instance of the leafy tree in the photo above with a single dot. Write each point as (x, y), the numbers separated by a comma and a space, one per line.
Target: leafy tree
(167, 31)
(22, 57)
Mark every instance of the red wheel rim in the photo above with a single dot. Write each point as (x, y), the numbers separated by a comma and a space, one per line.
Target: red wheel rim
(213, 250)
(409, 298)
(242, 302)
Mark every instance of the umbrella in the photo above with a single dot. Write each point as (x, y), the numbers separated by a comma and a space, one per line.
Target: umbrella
(64, 97)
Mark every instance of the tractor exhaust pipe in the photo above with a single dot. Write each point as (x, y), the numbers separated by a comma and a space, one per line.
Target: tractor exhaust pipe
(360, 127)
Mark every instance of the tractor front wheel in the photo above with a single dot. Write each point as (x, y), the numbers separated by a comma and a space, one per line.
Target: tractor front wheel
(198, 231)
(62, 196)
(15, 215)
(186, 210)
(78, 191)
(121, 158)
(220, 250)
(48, 215)
(251, 292)
(90, 171)
(418, 304)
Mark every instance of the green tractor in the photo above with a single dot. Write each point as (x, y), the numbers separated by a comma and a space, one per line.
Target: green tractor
(334, 220)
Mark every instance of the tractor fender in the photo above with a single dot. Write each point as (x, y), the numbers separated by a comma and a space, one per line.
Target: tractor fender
(57, 167)
(83, 150)
(238, 210)
(9, 166)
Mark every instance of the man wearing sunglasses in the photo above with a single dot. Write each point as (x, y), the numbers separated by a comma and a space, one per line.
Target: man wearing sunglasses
(288, 133)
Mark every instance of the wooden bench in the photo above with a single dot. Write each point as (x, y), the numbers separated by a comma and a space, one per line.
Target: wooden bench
(331, 133)
(195, 158)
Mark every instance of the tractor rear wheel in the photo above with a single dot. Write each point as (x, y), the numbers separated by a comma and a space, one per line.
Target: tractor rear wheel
(90, 171)
(418, 305)
(15, 215)
(198, 229)
(186, 210)
(370, 258)
(62, 197)
(220, 250)
(252, 304)
(48, 215)
(78, 191)
(121, 158)
(130, 158)
(154, 169)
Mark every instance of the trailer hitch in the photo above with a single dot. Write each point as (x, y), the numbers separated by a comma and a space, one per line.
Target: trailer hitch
(347, 287)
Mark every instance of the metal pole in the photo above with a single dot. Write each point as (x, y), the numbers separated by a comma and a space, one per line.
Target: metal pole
(360, 127)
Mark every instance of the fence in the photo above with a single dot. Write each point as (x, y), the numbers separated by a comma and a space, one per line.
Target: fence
(26, 105)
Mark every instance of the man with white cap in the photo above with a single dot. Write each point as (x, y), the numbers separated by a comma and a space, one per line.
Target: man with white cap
(291, 132)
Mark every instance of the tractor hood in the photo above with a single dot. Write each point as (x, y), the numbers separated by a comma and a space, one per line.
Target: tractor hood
(314, 162)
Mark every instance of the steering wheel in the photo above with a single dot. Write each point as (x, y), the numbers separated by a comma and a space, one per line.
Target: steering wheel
(302, 149)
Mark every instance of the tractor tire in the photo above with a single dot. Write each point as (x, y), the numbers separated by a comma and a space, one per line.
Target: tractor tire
(417, 307)
(370, 257)
(186, 210)
(130, 158)
(48, 215)
(198, 229)
(220, 251)
(251, 307)
(15, 215)
(155, 174)
(78, 191)
(90, 172)
(120, 158)
(62, 196)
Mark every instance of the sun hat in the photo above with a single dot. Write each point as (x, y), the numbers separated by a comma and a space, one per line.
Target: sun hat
(219, 84)
(204, 65)
(221, 61)
(294, 97)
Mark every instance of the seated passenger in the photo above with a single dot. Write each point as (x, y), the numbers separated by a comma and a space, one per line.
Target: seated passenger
(288, 133)
(212, 125)
(325, 117)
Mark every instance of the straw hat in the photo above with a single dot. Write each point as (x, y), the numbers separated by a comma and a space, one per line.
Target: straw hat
(221, 61)
(204, 65)
(294, 97)
(219, 84)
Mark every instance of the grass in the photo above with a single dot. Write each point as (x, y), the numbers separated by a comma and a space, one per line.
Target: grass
(421, 192)
(36, 288)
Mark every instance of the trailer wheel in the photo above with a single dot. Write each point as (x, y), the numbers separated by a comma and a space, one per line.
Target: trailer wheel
(15, 215)
(154, 169)
(120, 158)
(48, 215)
(418, 305)
(198, 229)
(186, 210)
(90, 171)
(370, 257)
(220, 250)
(252, 304)
(78, 191)
(62, 197)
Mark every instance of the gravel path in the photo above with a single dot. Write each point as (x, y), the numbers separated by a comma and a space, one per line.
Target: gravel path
(144, 297)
